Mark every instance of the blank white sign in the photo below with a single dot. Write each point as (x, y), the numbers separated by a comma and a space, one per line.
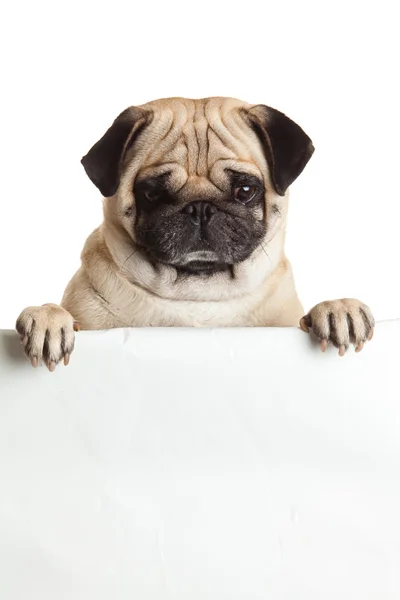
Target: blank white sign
(201, 465)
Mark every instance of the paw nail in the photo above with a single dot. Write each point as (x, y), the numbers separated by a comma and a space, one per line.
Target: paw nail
(359, 347)
(323, 345)
(76, 326)
(342, 350)
(51, 366)
(371, 335)
(34, 361)
(66, 359)
(24, 340)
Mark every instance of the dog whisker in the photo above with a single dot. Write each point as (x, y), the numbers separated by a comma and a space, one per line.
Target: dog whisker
(130, 256)
(266, 254)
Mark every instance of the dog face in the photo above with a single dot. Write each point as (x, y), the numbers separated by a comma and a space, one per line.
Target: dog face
(196, 184)
(201, 227)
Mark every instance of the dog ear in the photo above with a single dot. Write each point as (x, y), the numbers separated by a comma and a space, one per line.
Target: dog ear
(104, 160)
(288, 148)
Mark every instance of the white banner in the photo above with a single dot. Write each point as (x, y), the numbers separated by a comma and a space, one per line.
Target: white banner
(201, 465)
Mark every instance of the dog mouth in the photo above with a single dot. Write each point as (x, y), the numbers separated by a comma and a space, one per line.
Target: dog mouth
(204, 262)
(201, 262)
(201, 256)
(196, 262)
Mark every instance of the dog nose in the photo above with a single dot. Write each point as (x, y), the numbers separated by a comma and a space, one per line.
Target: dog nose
(200, 212)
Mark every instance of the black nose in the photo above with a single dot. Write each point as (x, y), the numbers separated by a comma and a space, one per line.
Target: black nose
(200, 212)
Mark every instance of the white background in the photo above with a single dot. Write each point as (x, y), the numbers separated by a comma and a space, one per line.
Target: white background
(69, 69)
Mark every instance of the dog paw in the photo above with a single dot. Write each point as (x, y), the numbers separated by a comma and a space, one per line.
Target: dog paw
(47, 334)
(340, 322)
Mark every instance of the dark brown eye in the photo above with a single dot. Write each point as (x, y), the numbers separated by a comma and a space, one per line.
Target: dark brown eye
(152, 195)
(244, 193)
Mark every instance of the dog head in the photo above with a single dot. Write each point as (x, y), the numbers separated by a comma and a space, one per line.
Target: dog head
(196, 183)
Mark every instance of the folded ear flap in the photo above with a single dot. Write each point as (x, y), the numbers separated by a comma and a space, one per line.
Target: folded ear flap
(104, 160)
(288, 148)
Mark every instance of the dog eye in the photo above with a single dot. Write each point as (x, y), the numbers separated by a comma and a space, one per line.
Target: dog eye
(152, 195)
(244, 193)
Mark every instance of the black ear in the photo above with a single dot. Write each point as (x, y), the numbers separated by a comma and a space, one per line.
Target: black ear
(288, 148)
(104, 160)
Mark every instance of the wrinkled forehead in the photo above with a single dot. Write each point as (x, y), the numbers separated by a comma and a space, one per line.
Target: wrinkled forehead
(196, 140)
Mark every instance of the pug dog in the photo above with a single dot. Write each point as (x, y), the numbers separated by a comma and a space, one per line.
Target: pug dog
(195, 209)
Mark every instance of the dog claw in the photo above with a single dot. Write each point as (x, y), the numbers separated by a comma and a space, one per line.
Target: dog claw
(46, 334)
(344, 323)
